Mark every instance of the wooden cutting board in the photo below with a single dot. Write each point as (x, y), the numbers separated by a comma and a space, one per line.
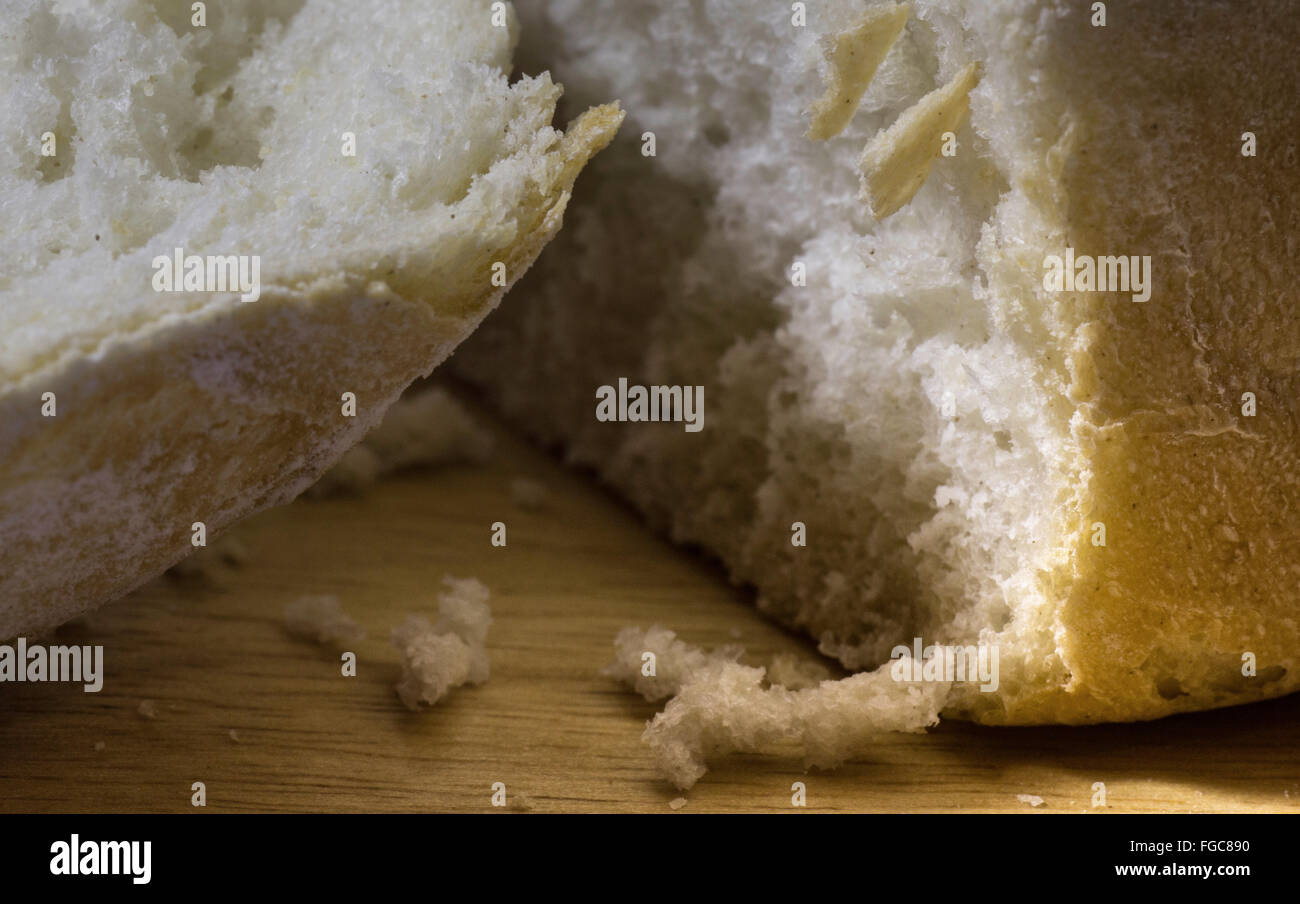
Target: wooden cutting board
(212, 657)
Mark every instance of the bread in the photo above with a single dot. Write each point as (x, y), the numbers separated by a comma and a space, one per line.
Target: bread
(231, 139)
(320, 618)
(437, 657)
(957, 438)
(424, 428)
(720, 706)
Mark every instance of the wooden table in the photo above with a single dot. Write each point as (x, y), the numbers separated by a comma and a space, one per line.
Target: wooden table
(212, 655)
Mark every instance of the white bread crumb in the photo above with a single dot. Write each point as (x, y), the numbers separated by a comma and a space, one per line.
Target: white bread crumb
(721, 707)
(528, 494)
(725, 709)
(147, 709)
(674, 661)
(429, 429)
(677, 803)
(234, 736)
(794, 673)
(321, 618)
(1032, 799)
(207, 562)
(439, 657)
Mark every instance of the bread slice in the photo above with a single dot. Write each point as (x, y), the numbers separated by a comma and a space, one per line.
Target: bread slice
(127, 414)
(958, 438)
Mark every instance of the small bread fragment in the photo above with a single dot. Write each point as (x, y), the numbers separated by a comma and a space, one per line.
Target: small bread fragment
(725, 709)
(423, 429)
(720, 706)
(655, 664)
(852, 58)
(449, 653)
(321, 618)
(897, 161)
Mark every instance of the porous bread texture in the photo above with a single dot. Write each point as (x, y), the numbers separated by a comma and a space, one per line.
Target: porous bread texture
(796, 673)
(449, 653)
(424, 428)
(720, 706)
(320, 618)
(228, 140)
(675, 662)
(947, 429)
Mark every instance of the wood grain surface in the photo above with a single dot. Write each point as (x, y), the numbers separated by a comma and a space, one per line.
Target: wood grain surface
(211, 654)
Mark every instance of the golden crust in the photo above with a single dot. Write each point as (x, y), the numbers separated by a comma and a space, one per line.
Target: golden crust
(1192, 602)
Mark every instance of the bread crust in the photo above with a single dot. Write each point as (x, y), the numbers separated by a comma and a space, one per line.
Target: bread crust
(1192, 603)
(221, 412)
(1122, 139)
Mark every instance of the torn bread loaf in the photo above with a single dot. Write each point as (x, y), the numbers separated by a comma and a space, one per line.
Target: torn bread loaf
(976, 450)
(371, 177)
